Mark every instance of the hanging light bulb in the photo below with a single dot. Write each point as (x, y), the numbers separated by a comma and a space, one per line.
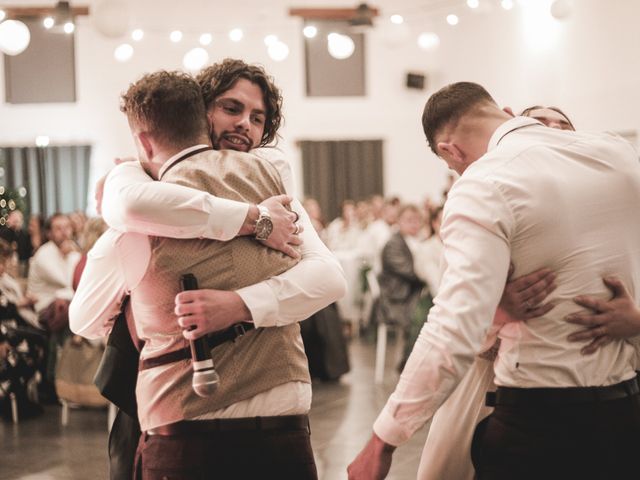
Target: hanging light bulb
(473, 3)
(507, 4)
(175, 36)
(236, 35)
(123, 53)
(270, 40)
(310, 31)
(340, 46)
(397, 19)
(14, 37)
(452, 19)
(137, 35)
(69, 28)
(206, 39)
(195, 59)
(278, 51)
(48, 22)
(428, 40)
(42, 141)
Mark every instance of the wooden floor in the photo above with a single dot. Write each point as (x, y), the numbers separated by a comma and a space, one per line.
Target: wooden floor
(341, 419)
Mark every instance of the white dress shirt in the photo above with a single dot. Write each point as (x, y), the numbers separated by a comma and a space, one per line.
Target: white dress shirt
(543, 198)
(51, 275)
(118, 261)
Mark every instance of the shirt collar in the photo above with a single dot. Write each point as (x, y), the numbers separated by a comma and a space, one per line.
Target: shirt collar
(177, 157)
(509, 126)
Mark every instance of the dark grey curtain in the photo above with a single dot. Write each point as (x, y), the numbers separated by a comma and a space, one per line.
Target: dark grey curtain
(334, 171)
(56, 179)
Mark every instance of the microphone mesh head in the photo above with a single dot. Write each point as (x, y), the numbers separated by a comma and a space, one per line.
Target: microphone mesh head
(205, 382)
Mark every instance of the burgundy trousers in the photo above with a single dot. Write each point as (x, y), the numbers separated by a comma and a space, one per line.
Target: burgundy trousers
(237, 455)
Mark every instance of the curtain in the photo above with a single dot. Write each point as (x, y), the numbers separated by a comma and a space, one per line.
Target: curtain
(334, 171)
(52, 179)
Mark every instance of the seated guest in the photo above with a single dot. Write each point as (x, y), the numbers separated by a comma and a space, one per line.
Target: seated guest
(377, 235)
(50, 277)
(35, 227)
(22, 346)
(19, 239)
(400, 287)
(343, 232)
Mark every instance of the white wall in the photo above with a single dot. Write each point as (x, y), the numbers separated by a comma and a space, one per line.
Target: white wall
(591, 70)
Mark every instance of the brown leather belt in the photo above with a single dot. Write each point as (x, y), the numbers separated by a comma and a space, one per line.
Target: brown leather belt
(537, 397)
(215, 339)
(188, 427)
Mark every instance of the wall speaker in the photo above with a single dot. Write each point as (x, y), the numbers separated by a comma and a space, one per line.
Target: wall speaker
(416, 80)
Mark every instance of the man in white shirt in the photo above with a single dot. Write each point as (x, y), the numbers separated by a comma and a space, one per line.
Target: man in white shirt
(292, 397)
(244, 110)
(49, 282)
(543, 198)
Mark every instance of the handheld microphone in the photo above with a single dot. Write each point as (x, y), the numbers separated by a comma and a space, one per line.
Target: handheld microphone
(205, 378)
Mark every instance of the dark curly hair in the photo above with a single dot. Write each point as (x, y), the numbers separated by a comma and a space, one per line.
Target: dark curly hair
(220, 77)
(169, 105)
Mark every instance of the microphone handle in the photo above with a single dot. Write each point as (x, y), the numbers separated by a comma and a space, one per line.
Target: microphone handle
(200, 351)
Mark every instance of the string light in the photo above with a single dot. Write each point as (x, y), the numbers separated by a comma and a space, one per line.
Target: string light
(278, 51)
(310, 31)
(270, 40)
(42, 141)
(397, 19)
(340, 46)
(69, 28)
(123, 53)
(236, 35)
(507, 4)
(195, 59)
(48, 22)
(473, 3)
(137, 35)
(206, 39)
(452, 19)
(175, 36)
(428, 40)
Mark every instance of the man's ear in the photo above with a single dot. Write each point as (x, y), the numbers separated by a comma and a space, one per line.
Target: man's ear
(509, 111)
(146, 144)
(450, 151)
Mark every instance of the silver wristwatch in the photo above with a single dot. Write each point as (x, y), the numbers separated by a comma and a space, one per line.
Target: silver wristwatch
(264, 225)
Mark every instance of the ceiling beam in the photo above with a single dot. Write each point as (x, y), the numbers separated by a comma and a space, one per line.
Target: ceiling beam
(14, 12)
(328, 13)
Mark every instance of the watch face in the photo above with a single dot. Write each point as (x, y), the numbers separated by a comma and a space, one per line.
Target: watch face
(264, 227)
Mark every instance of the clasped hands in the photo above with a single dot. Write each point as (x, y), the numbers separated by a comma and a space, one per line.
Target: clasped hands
(604, 320)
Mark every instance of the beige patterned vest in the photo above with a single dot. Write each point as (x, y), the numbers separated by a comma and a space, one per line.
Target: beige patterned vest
(254, 363)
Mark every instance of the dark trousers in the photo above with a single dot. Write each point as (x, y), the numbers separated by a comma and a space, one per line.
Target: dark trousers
(586, 441)
(123, 441)
(232, 455)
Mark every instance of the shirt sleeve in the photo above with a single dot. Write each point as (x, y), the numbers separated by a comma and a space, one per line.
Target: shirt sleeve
(104, 285)
(134, 202)
(476, 229)
(316, 281)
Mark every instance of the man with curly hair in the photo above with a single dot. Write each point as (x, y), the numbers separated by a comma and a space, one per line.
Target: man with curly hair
(243, 108)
